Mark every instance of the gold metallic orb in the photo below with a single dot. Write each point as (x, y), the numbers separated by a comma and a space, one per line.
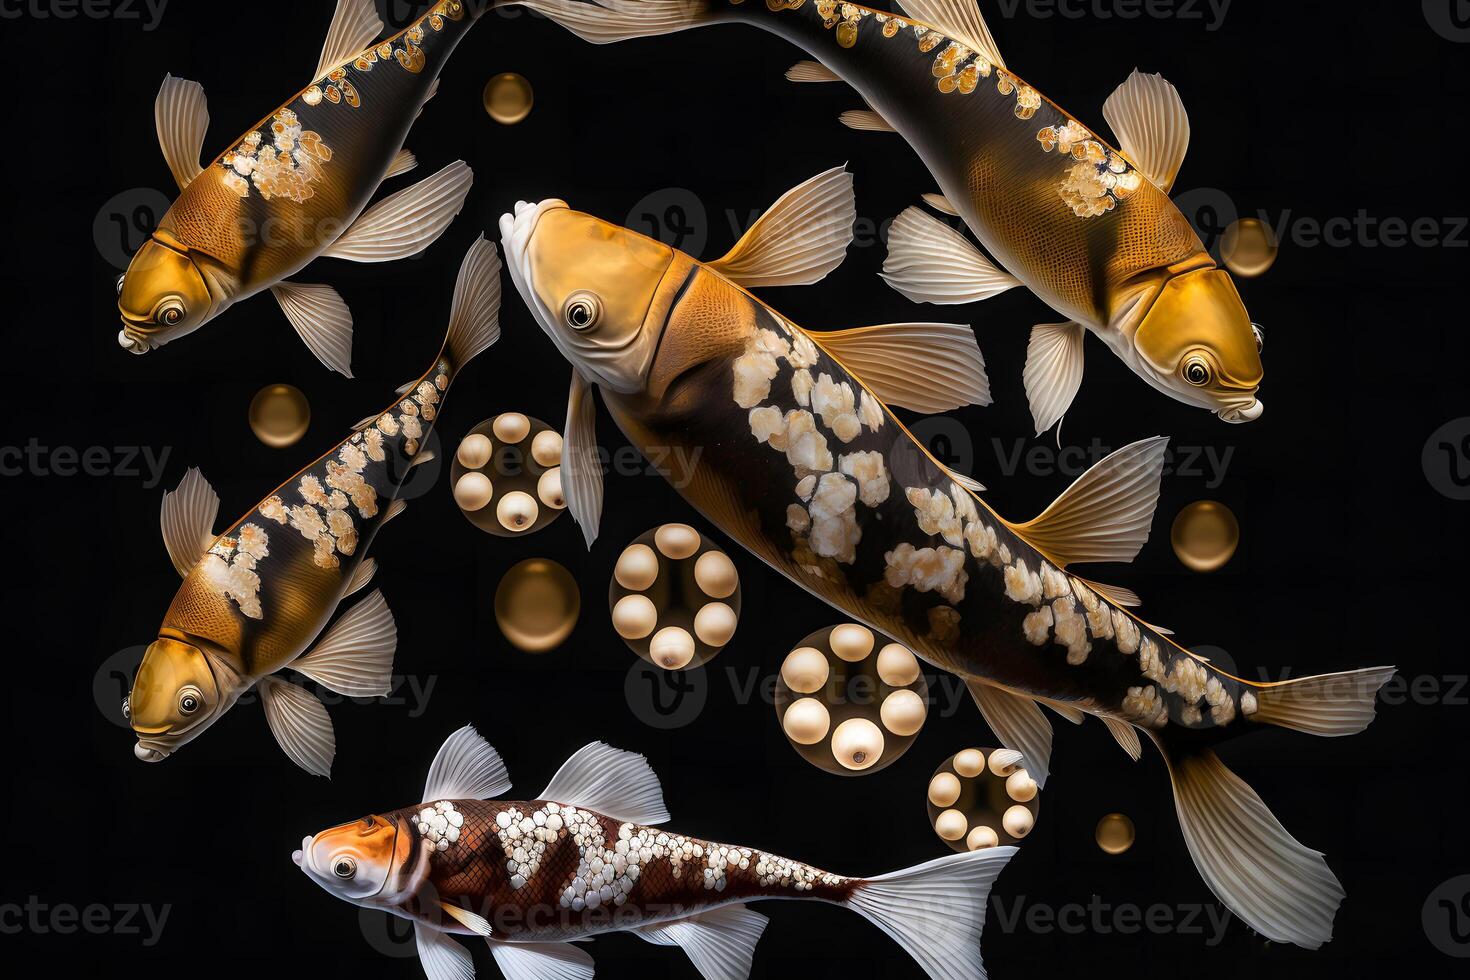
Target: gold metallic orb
(279, 415)
(508, 98)
(1248, 247)
(1115, 833)
(537, 604)
(1205, 535)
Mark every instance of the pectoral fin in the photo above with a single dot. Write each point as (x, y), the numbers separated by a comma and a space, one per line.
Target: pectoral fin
(1053, 371)
(1126, 736)
(1148, 118)
(187, 518)
(615, 783)
(355, 25)
(958, 19)
(865, 120)
(402, 164)
(361, 576)
(930, 262)
(181, 115)
(926, 367)
(542, 961)
(1106, 513)
(406, 223)
(1018, 723)
(355, 657)
(300, 724)
(811, 71)
(720, 943)
(581, 469)
(441, 957)
(394, 509)
(801, 238)
(322, 319)
(466, 768)
(474, 923)
(941, 203)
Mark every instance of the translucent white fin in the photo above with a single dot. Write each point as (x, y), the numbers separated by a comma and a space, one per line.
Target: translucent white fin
(936, 911)
(720, 943)
(424, 456)
(581, 469)
(606, 21)
(1053, 371)
(322, 320)
(1125, 734)
(930, 262)
(968, 482)
(1066, 709)
(1148, 117)
(355, 657)
(402, 164)
(187, 517)
(1018, 723)
(300, 723)
(181, 115)
(927, 367)
(941, 203)
(466, 768)
(361, 576)
(1105, 515)
(1279, 887)
(355, 25)
(811, 71)
(474, 923)
(615, 783)
(1117, 595)
(542, 961)
(1326, 704)
(406, 223)
(959, 20)
(474, 316)
(800, 238)
(865, 120)
(394, 509)
(441, 957)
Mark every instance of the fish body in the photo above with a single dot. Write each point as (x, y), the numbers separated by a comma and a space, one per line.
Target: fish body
(801, 460)
(255, 597)
(530, 877)
(294, 187)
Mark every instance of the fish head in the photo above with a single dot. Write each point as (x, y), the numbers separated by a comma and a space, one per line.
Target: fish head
(591, 285)
(163, 296)
(1199, 344)
(375, 859)
(175, 696)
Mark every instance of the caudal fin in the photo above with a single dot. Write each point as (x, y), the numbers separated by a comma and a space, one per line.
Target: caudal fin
(474, 317)
(606, 21)
(936, 911)
(1324, 704)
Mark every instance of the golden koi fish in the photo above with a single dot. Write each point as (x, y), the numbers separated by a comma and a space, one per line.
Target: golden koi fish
(294, 188)
(1086, 226)
(255, 596)
(586, 858)
(802, 462)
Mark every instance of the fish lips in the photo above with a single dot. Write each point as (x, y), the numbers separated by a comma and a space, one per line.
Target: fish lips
(150, 750)
(1242, 413)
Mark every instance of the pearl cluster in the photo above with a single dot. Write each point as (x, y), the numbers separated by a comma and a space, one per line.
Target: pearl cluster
(775, 870)
(718, 857)
(606, 875)
(524, 838)
(440, 824)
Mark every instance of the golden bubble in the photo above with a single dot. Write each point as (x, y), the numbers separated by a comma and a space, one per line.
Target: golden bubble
(1248, 247)
(508, 98)
(279, 415)
(537, 604)
(1115, 833)
(1205, 535)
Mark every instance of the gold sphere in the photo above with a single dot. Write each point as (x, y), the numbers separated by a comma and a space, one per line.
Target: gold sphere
(279, 415)
(1115, 833)
(508, 98)
(1205, 535)
(1248, 247)
(537, 604)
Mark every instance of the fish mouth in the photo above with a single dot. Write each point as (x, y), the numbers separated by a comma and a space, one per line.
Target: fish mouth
(131, 344)
(302, 856)
(149, 751)
(1248, 412)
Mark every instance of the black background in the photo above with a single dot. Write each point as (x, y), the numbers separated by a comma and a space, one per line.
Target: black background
(1349, 556)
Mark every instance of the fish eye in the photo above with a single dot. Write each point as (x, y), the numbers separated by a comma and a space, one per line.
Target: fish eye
(189, 700)
(127, 708)
(1196, 371)
(344, 867)
(1260, 337)
(170, 312)
(582, 311)
(120, 283)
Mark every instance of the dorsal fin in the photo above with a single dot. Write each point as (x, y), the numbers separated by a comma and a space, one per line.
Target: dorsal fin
(960, 20)
(181, 115)
(355, 25)
(1148, 118)
(1105, 515)
(1116, 594)
(801, 238)
(617, 784)
(466, 768)
(926, 367)
(187, 517)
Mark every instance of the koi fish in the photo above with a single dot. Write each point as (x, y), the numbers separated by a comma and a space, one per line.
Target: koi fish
(1088, 227)
(294, 188)
(586, 858)
(801, 461)
(255, 596)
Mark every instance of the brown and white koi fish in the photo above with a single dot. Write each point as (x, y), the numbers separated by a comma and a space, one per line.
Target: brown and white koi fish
(256, 596)
(586, 858)
(801, 461)
(1086, 226)
(294, 187)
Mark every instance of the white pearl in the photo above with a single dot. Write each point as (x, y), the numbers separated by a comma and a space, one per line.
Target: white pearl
(1020, 786)
(903, 712)
(806, 721)
(516, 511)
(1003, 762)
(676, 541)
(474, 451)
(549, 489)
(969, 763)
(671, 647)
(857, 743)
(511, 427)
(805, 670)
(546, 448)
(981, 836)
(944, 789)
(715, 574)
(715, 624)
(951, 825)
(634, 617)
(897, 666)
(637, 568)
(851, 642)
(1018, 821)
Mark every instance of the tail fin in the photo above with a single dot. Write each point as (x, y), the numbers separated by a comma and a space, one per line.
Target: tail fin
(1326, 704)
(605, 21)
(474, 318)
(936, 911)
